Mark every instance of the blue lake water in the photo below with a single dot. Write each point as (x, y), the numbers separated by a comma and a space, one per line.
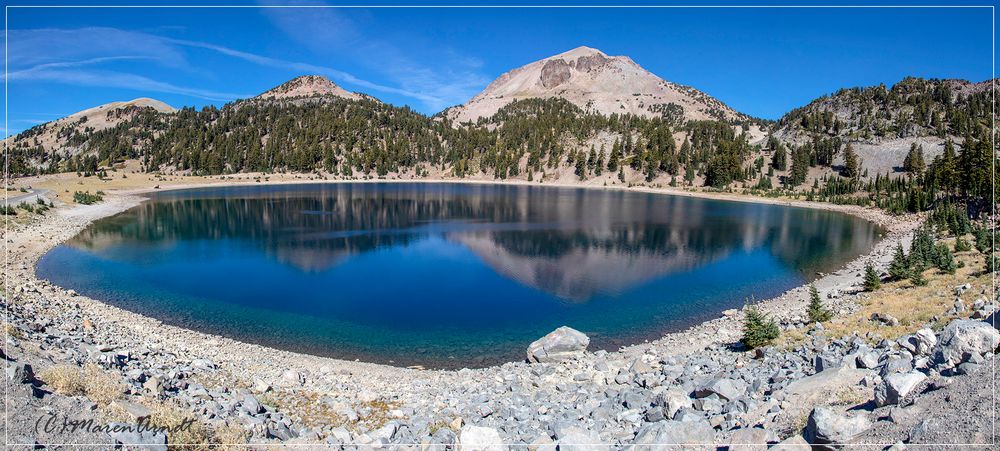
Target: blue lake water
(444, 275)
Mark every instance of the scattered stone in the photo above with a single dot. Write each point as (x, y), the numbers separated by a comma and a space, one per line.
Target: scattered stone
(885, 318)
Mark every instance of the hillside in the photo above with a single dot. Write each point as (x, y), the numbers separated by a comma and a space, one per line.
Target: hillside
(47, 144)
(914, 107)
(884, 123)
(597, 83)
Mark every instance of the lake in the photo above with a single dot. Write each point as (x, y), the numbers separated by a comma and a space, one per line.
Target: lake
(444, 274)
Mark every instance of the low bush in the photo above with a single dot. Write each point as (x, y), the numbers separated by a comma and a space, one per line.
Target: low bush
(85, 198)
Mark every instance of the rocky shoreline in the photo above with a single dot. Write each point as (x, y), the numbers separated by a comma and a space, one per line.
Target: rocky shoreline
(688, 387)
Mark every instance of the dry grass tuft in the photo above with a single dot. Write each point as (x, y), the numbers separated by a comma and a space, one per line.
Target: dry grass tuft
(11, 331)
(101, 386)
(64, 379)
(173, 416)
(230, 436)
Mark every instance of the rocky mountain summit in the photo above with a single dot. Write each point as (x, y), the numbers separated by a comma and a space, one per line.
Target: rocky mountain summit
(308, 86)
(596, 82)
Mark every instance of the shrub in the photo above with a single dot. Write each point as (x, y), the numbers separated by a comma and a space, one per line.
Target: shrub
(817, 312)
(872, 280)
(758, 329)
(7, 210)
(962, 245)
(86, 198)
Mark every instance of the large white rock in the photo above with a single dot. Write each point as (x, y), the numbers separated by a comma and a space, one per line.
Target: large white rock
(478, 438)
(560, 344)
(964, 338)
(896, 386)
(827, 427)
(576, 439)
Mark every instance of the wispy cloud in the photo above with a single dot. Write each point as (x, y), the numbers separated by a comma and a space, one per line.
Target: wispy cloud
(112, 79)
(338, 75)
(83, 57)
(452, 78)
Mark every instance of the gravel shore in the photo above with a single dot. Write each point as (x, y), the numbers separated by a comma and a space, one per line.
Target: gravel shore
(632, 396)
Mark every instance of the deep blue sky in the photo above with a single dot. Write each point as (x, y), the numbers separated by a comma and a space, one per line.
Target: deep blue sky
(763, 62)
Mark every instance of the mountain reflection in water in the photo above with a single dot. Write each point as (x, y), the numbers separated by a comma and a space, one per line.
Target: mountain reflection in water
(453, 273)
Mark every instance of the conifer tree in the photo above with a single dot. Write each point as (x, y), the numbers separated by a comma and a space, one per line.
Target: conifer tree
(758, 329)
(852, 165)
(899, 268)
(872, 280)
(817, 312)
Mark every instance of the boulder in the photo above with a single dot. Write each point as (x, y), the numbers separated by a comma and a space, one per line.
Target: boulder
(964, 338)
(671, 401)
(20, 373)
(896, 386)
(919, 343)
(576, 439)
(478, 438)
(793, 443)
(251, 404)
(827, 427)
(675, 435)
(560, 344)
(728, 389)
(130, 438)
(751, 439)
(292, 378)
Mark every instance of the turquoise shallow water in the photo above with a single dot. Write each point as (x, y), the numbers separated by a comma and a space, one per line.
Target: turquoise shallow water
(444, 275)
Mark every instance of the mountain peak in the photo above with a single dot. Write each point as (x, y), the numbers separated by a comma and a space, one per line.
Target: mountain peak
(580, 51)
(308, 86)
(594, 81)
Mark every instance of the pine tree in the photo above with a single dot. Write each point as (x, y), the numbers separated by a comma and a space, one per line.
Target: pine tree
(872, 280)
(779, 160)
(917, 278)
(899, 268)
(852, 165)
(944, 260)
(914, 161)
(817, 312)
(758, 329)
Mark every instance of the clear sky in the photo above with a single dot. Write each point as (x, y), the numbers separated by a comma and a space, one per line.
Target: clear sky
(763, 62)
